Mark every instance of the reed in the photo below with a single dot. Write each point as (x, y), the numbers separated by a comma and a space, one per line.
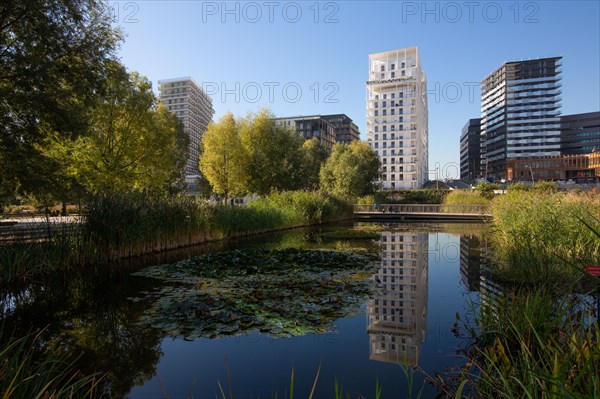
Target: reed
(24, 374)
(130, 224)
(542, 237)
(534, 345)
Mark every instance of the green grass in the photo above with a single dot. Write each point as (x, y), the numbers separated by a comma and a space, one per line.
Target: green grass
(533, 344)
(23, 374)
(545, 238)
(131, 224)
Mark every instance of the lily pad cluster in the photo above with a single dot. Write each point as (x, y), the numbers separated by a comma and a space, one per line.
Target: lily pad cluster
(282, 293)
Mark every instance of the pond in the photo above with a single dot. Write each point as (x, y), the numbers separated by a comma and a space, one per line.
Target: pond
(359, 305)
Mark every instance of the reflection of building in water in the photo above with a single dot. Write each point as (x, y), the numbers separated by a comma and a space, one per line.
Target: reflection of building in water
(474, 262)
(397, 315)
(470, 261)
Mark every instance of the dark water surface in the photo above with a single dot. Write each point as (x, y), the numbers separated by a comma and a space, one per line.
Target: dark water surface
(425, 275)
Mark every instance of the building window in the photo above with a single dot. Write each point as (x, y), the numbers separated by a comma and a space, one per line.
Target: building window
(393, 75)
(393, 67)
(382, 68)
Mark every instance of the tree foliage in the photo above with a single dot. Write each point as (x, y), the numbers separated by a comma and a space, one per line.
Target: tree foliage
(132, 143)
(274, 157)
(223, 159)
(314, 155)
(53, 59)
(351, 170)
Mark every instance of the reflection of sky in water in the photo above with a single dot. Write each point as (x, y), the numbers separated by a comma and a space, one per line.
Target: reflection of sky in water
(425, 272)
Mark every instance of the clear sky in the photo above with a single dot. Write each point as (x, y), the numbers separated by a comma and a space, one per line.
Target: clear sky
(309, 57)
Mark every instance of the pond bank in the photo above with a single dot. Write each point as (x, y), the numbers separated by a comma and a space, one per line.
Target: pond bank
(129, 225)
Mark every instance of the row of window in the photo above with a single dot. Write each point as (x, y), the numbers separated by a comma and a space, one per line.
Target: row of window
(401, 128)
(393, 177)
(410, 93)
(392, 75)
(393, 145)
(393, 66)
(393, 339)
(392, 112)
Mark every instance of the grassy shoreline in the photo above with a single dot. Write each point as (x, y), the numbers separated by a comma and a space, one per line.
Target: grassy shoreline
(134, 224)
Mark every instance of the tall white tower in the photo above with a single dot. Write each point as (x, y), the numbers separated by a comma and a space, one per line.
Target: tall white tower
(397, 117)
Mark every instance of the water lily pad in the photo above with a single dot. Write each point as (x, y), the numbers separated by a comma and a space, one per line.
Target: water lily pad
(283, 293)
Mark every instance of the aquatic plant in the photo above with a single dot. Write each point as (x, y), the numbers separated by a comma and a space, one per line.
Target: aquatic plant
(283, 293)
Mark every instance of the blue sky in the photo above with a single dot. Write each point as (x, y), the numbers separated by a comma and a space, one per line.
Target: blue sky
(308, 57)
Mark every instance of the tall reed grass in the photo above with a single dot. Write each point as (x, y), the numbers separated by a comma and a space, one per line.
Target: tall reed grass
(24, 374)
(130, 224)
(534, 345)
(544, 237)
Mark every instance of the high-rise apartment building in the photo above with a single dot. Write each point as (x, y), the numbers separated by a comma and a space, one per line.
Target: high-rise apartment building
(520, 113)
(470, 150)
(397, 117)
(190, 103)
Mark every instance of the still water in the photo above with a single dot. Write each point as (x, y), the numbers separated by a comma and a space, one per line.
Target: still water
(424, 276)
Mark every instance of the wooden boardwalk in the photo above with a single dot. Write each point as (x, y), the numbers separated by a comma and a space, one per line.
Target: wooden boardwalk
(422, 212)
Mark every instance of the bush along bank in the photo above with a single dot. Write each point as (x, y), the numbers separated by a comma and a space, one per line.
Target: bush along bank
(130, 224)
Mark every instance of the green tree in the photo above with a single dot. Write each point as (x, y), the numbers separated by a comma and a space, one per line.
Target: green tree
(274, 157)
(314, 156)
(351, 171)
(223, 159)
(53, 58)
(132, 143)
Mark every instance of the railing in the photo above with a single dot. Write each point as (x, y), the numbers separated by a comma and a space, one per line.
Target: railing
(423, 209)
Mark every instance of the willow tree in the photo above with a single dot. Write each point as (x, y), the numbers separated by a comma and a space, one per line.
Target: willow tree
(223, 159)
(274, 154)
(352, 170)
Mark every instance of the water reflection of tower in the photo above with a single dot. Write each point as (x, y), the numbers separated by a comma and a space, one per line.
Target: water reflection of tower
(397, 314)
(470, 261)
(474, 263)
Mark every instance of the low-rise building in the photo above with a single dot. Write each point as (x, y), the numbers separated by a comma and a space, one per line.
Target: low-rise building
(345, 130)
(580, 168)
(309, 127)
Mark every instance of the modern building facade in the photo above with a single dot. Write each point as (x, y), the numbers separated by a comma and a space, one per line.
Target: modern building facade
(580, 133)
(470, 150)
(345, 130)
(397, 117)
(579, 168)
(190, 103)
(520, 113)
(311, 126)
(397, 314)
